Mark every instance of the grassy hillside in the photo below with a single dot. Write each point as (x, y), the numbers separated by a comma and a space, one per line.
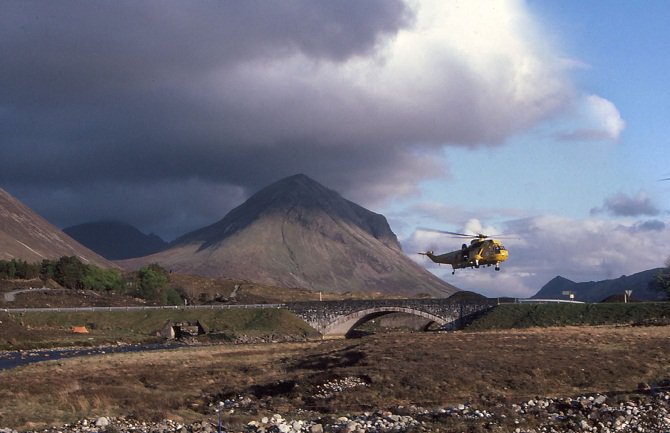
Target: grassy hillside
(507, 316)
(31, 330)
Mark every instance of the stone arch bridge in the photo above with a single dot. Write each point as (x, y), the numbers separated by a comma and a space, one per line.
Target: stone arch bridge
(335, 319)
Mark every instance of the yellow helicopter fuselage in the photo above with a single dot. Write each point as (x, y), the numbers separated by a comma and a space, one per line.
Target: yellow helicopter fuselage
(480, 252)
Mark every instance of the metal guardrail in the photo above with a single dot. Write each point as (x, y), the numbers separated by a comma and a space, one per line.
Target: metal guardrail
(140, 308)
(547, 301)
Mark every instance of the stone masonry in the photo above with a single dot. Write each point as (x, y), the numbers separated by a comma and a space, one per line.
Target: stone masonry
(336, 318)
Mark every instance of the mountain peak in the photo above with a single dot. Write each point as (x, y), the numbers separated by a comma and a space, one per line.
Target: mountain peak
(298, 179)
(298, 233)
(561, 280)
(296, 197)
(293, 190)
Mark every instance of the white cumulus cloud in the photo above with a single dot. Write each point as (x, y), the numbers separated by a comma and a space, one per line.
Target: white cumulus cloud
(597, 119)
(606, 116)
(548, 246)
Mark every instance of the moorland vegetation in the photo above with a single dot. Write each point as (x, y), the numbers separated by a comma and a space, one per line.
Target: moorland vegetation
(490, 370)
(149, 282)
(661, 281)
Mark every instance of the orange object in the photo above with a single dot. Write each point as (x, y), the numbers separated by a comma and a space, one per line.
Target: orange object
(79, 330)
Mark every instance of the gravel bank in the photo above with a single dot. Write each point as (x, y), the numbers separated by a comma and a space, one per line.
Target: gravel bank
(644, 412)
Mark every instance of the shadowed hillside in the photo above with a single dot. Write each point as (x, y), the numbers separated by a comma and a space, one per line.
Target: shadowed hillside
(116, 240)
(24, 235)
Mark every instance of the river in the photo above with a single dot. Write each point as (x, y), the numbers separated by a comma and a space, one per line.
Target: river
(15, 358)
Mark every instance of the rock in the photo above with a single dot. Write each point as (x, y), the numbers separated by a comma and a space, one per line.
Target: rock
(600, 400)
(642, 413)
(351, 427)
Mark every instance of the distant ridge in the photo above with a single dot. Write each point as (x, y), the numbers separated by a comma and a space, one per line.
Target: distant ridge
(116, 240)
(24, 235)
(597, 291)
(298, 233)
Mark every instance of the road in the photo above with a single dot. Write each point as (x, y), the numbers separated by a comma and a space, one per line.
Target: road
(139, 308)
(11, 296)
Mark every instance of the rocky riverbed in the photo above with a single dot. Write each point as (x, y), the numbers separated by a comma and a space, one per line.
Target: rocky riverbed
(457, 382)
(648, 411)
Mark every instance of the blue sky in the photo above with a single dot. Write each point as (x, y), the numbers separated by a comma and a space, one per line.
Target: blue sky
(616, 51)
(545, 120)
(622, 46)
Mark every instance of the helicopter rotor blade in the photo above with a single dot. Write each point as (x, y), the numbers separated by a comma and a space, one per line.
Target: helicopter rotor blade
(467, 236)
(444, 232)
(454, 234)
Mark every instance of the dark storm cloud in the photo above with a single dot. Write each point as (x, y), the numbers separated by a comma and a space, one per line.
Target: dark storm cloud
(118, 92)
(650, 225)
(166, 208)
(164, 104)
(628, 206)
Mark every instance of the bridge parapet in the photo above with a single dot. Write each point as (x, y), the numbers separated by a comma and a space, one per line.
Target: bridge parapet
(336, 318)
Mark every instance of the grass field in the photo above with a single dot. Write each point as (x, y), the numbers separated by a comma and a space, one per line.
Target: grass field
(425, 369)
(54, 329)
(42, 330)
(506, 316)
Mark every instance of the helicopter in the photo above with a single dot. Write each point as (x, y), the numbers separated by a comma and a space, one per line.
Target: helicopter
(482, 251)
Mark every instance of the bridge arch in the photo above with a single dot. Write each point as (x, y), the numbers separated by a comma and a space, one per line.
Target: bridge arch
(343, 324)
(334, 319)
